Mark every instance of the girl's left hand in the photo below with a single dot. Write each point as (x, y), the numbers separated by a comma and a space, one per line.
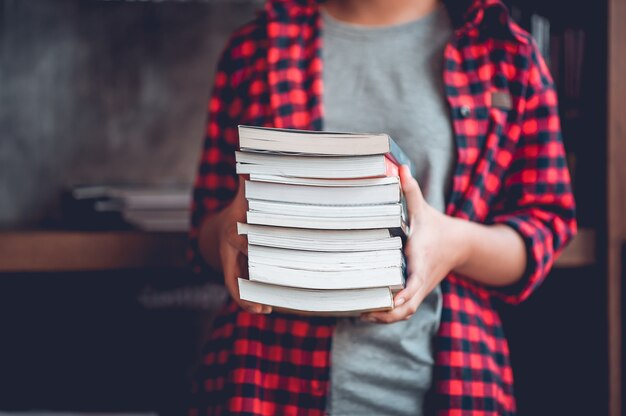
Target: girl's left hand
(432, 251)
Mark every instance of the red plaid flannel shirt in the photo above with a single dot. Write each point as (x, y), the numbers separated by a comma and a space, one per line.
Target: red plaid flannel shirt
(510, 169)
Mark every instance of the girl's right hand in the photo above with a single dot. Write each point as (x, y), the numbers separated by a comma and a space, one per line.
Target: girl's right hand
(233, 249)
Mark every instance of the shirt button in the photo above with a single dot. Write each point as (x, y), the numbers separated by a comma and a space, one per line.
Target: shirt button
(465, 111)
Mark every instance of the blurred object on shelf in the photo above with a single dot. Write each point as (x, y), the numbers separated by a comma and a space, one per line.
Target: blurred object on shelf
(147, 208)
(540, 29)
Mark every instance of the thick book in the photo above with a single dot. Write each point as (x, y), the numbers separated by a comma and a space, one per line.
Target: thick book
(392, 277)
(358, 182)
(312, 234)
(325, 211)
(393, 222)
(324, 195)
(323, 261)
(315, 301)
(335, 167)
(321, 143)
(320, 240)
(391, 216)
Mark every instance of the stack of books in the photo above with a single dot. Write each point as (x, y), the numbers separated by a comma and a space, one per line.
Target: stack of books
(326, 220)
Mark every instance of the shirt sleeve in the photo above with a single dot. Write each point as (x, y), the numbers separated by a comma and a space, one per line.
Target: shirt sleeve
(216, 181)
(538, 202)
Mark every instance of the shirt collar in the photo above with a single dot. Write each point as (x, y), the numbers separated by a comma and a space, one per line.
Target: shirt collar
(489, 18)
(473, 17)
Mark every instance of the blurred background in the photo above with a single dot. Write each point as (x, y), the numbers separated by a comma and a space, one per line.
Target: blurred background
(102, 112)
(103, 106)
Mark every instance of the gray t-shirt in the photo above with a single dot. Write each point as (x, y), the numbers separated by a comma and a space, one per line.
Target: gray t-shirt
(389, 79)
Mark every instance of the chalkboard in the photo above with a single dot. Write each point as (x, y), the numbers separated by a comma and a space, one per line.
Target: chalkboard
(103, 91)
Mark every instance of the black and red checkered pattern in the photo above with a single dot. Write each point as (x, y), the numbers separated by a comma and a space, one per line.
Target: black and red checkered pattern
(510, 169)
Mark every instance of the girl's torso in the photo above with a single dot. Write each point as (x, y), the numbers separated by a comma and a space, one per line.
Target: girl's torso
(389, 80)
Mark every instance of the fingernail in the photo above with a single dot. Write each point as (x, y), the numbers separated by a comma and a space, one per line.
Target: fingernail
(400, 301)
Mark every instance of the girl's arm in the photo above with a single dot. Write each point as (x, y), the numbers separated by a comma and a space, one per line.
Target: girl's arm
(527, 227)
(493, 255)
(225, 250)
(216, 250)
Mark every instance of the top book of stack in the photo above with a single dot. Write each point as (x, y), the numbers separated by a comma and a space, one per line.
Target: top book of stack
(271, 147)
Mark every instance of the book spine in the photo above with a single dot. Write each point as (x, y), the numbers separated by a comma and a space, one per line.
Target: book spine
(398, 155)
(391, 167)
(404, 230)
(405, 272)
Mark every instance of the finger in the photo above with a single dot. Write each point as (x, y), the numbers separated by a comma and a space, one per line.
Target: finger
(413, 284)
(233, 270)
(253, 307)
(411, 190)
(243, 246)
(242, 183)
(389, 317)
(399, 313)
(243, 273)
(231, 273)
(239, 243)
(241, 186)
(240, 202)
(406, 301)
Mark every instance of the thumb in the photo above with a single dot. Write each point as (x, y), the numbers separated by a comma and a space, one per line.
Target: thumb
(411, 190)
(239, 204)
(241, 187)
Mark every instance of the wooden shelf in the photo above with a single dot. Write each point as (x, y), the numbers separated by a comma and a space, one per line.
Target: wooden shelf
(580, 252)
(55, 251)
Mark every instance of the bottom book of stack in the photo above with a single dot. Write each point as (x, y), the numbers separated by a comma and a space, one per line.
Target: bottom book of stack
(322, 272)
(317, 301)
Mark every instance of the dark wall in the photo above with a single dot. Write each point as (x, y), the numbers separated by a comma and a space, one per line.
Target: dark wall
(103, 91)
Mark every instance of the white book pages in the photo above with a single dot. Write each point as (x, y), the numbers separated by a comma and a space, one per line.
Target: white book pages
(279, 220)
(394, 243)
(391, 277)
(318, 195)
(311, 166)
(317, 172)
(313, 260)
(309, 234)
(311, 300)
(304, 210)
(337, 162)
(387, 180)
(311, 142)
